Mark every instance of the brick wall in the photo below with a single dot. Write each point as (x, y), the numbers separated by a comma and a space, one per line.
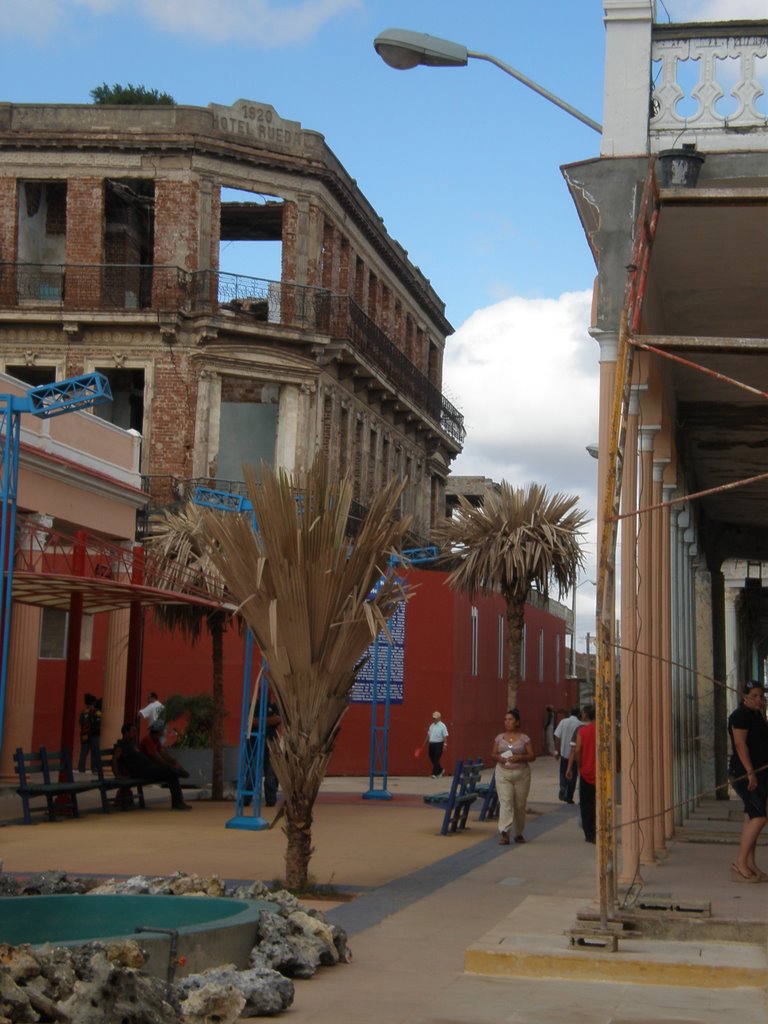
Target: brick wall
(176, 223)
(290, 228)
(173, 416)
(85, 241)
(8, 203)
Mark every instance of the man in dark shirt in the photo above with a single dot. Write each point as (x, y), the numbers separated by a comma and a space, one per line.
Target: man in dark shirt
(128, 761)
(583, 754)
(270, 779)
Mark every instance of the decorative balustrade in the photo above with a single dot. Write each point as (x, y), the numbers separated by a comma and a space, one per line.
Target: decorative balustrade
(255, 300)
(710, 84)
(97, 287)
(349, 322)
(248, 300)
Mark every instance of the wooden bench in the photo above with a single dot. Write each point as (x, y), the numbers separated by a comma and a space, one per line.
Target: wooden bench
(108, 781)
(53, 781)
(460, 797)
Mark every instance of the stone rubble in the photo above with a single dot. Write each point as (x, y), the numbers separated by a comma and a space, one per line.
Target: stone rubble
(102, 983)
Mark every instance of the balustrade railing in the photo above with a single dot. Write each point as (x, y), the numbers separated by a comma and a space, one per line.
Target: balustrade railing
(350, 322)
(96, 287)
(710, 80)
(126, 287)
(260, 301)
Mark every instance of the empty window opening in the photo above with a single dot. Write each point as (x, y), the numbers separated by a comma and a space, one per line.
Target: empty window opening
(42, 227)
(54, 626)
(247, 426)
(251, 235)
(129, 230)
(32, 376)
(126, 409)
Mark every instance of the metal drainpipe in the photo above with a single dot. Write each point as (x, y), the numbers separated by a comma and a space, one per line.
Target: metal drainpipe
(172, 957)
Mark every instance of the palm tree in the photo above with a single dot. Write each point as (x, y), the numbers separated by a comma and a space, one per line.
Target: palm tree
(176, 540)
(519, 539)
(309, 594)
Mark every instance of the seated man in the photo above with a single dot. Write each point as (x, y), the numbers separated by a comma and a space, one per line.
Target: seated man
(153, 745)
(129, 761)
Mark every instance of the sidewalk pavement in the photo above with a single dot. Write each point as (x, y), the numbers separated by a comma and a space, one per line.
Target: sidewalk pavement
(426, 905)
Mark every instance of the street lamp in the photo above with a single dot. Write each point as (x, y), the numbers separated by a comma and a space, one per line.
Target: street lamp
(402, 49)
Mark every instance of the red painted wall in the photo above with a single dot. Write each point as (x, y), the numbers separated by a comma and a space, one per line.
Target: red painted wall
(438, 677)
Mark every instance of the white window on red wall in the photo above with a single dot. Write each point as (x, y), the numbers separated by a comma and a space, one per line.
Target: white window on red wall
(474, 642)
(541, 655)
(500, 668)
(522, 653)
(557, 657)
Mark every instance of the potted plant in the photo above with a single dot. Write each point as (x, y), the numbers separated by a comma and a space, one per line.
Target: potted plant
(193, 747)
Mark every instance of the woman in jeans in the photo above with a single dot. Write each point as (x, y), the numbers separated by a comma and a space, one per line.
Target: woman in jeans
(513, 752)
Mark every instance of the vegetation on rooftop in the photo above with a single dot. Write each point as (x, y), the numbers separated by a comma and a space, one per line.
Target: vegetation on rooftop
(130, 95)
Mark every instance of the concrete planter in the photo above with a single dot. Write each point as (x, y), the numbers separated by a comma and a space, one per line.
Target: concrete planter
(199, 763)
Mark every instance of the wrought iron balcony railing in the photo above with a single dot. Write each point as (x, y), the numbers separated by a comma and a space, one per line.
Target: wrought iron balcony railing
(258, 301)
(348, 321)
(96, 287)
(248, 300)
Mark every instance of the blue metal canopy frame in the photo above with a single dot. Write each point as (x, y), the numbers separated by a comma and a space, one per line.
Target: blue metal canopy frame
(379, 761)
(250, 764)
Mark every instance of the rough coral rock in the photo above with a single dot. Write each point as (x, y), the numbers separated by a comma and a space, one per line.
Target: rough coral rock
(265, 992)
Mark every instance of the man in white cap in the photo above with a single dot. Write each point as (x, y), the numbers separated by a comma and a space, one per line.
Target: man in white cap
(437, 734)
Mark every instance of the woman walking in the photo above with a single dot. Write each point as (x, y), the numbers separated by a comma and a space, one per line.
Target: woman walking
(747, 771)
(513, 752)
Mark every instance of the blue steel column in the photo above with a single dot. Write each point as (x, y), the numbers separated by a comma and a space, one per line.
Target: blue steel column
(250, 766)
(379, 758)
(10, 423)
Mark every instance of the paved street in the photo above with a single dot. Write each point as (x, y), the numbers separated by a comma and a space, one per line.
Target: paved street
(423, 900)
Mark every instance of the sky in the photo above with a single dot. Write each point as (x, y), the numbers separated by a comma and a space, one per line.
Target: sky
(463, 165)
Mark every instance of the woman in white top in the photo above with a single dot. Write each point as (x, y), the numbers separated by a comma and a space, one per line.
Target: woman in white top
(437, 734)
(513, 752)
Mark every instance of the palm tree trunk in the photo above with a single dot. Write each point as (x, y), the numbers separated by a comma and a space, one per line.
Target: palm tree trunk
(216, 628)
(515, 624)
(298, 831)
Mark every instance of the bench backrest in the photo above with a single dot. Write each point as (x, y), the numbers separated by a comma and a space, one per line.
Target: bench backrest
(101, 759)
(51, 764)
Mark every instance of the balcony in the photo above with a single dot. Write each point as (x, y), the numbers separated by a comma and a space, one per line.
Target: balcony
(242, 301)
(709, 82)
(350, 323)
(92, 288)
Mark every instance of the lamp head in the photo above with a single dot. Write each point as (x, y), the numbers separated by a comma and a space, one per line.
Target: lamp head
(402, 49)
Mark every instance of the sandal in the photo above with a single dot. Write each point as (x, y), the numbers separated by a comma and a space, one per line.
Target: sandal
(503, 839)
(520, 839)
(738, 876)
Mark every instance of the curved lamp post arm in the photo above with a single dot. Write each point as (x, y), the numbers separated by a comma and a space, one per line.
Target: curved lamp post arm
(403, 49)
(594, 125)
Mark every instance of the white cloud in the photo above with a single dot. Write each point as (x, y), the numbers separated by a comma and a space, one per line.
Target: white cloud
(265, 23)
(712, 10)
(525, 374)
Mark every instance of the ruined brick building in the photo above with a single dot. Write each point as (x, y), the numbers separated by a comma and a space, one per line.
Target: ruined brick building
(112, 220)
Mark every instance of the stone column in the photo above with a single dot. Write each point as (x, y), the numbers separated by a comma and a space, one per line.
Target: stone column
(665, 610)
(115, 665)
(21, 686)
(23, 653)
(628, 27)
(646, 747)
(676, 513)
(630, 834)
(659, 583)
(287, 426)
